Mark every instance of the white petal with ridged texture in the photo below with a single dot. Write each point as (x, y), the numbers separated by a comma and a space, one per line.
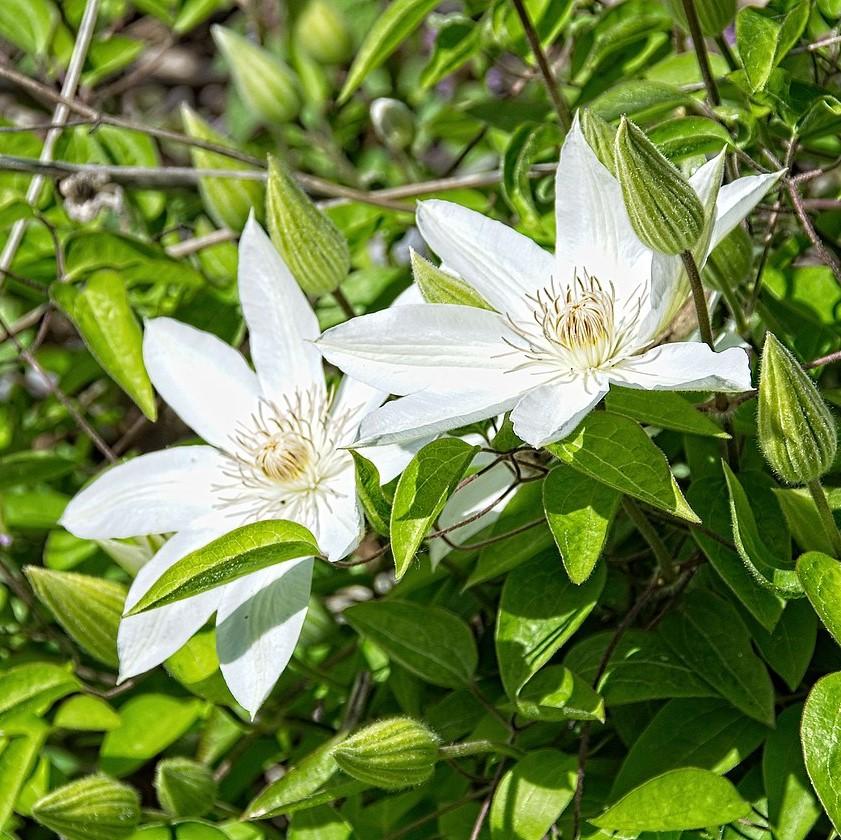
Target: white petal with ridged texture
(207, 383)
(500, 264)
(411, 348)
(258, 626)
(281, 323)
(549, 413)
(685, 366)
(152, 494)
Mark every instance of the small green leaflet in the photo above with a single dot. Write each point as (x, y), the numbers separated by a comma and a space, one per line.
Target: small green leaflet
(437, 286)
(429, 641)
(820, 575)
(422, 491)
(391, 28)
(370, 492)
(616, 451)
(821, 746)
(105, 320)
(664, 409)
(678, 800)
(234, 555)
(30, 468)
(579, 511)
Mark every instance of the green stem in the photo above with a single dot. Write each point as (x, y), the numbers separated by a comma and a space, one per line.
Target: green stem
(701, 51)
(469, 748)
(825, 513)
(650, 535)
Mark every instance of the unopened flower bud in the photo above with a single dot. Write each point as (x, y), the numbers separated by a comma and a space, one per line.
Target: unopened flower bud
(265, 84)
(600, 136)
(228, 201)
(185, 788)
(322, 31)
(796, 430)
(313, 248)
(393, 122)
(664, 209)
(713, 15)
(91, 808)
(391, 754)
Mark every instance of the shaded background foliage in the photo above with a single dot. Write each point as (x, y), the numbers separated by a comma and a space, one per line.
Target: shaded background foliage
(597, 686)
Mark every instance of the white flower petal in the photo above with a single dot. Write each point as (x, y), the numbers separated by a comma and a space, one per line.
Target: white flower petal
(737, 199)
(281, 323)
(474, 497)
(207, 382)
(685, 366)
(337, 522)
(356, 400)
(499, 263)
(427, 414)
(257, 627)
(152, 494)
(391, 459)
(147, 639)
(593, 231)
(551, 411)
(414, 347)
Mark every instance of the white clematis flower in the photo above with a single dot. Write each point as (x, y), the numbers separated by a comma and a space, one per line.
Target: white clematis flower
(564, 327)
(274, 451)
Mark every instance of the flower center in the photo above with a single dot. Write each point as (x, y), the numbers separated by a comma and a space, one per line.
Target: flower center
(572, 329)
(283, 459)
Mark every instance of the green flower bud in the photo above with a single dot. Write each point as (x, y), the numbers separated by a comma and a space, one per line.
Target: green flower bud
(88, 608)
(665, 211)
(185, 788)
(265, 84)
(600, 136)
(228, 201)
(796, 430)
(322, 31)
(713, 15)
(391, 754)
(313, 248)
(393, 122)
(93, 808)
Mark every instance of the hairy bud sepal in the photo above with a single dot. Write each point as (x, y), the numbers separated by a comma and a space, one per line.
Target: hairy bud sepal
(796, 430)
(664, 209)
(311, 245)
(601, 138)
(392, 754)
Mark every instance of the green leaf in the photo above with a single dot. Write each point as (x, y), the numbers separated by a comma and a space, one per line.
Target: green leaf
(185, 788)
(29, 468)
(297, 785)
(422, 491)
(768, 567)
(86, 713)
(33, 687)
(556, 693)
(458, 40)
(92, 808)
(539, 611)
(390, 29)
(437, 286)
(710, 637)
(707, 733)
(821, 745)
(88, 608)
(28, 24)
(820, 575)
(687, 137)
(616, 451)
(525, 143)
(532, 795)
(149, 724)
(429, 641)
(792, 805)
(641, 667)
(764, 36)
(680, 799)
(238, 553)
(664, 409)
(108, 326)
(322, 823)
(579, 511)
(788, 649)
(803, 519)
(370, 492)
(17, 760)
